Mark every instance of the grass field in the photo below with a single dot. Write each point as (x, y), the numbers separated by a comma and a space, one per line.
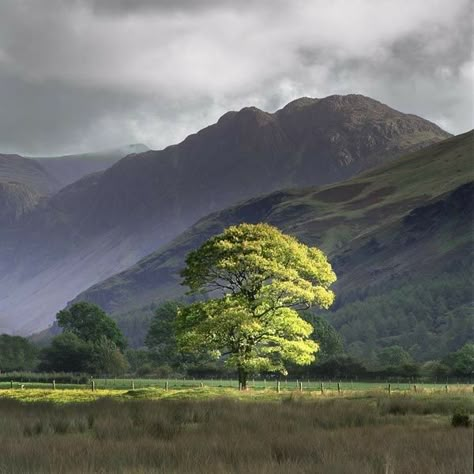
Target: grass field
(216, 430)
(157, 389)
(258, 384)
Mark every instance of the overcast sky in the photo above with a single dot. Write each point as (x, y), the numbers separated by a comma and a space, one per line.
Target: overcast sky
(85, 75)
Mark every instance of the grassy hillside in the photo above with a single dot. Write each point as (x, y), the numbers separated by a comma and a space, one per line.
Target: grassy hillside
(400, 226)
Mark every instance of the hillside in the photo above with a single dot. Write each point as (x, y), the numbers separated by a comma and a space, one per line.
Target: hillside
(397, 228)
(26, 171)
(16, 200)
(69, 168)
(24, 181)
(107, 221)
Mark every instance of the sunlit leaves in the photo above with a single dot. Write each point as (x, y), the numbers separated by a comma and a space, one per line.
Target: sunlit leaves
(257, 279)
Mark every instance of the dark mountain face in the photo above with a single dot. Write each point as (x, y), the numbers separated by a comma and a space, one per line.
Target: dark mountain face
(251, 152)
(106, 222)
(410, 217)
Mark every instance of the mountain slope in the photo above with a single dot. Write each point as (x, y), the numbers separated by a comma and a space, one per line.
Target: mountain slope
(17, 169)
(69, 168)
(410, 219)
(107, 221)
(16, 200)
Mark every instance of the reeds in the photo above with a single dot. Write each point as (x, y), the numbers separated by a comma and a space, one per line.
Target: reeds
(226, 436)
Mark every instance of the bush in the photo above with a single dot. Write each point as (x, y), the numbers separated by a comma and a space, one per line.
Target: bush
(460, 420)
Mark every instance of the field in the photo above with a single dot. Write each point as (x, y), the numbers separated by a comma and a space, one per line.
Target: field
(29, 381)
(221, 430)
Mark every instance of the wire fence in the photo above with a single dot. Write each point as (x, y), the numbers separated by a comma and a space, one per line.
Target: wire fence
(311, 385)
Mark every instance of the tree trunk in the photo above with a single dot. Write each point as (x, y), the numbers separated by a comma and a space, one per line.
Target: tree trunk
(242, 378)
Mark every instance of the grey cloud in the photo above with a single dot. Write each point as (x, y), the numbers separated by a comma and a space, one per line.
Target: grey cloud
(80, 75)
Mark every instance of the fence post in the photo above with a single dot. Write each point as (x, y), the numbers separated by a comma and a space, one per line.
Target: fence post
(339, 387)
(322, 389)
(446, 388)
(93, 385)
(389, 389)
(414, 388)
(167, 385)
(54, 384)
(11, 384)
(278, 386)
(301, 386)
(265, 384)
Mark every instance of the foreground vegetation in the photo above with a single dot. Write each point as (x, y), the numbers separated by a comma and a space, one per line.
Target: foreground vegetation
(301, 434)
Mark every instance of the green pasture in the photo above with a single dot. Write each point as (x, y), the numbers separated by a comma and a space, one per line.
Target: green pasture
(265, 390)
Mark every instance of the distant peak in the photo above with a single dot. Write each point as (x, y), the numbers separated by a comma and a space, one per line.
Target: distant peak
(297, 104)
(247, 114)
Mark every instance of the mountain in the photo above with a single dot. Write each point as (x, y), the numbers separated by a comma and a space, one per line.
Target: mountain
(69, 168)
(23, 181)
(26, 171)
(107, 221)
(16, 200)
(392, 234)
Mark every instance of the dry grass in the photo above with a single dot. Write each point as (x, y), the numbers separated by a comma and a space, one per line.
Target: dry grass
(228, 436)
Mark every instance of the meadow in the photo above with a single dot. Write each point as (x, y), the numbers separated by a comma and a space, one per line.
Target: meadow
(45, 381)
(214, 429)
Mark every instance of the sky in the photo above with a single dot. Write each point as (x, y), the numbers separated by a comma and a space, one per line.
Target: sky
(79, 76)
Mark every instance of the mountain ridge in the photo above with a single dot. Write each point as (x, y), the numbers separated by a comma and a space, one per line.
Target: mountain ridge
(288, 209)
(145, 200)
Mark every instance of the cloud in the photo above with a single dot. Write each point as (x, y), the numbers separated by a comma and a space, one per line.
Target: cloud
(81, 75)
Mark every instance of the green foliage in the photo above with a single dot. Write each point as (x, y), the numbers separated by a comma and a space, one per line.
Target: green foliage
(393, 356)
(136, 359)
(90, 323)
(16, 353)
(259, 277)
(91, 343)
(328, 339)
(462, 361)
(434, 369)
(67, 353)
(338, 366)
(161, 337)
(429, 318)
(106, 358)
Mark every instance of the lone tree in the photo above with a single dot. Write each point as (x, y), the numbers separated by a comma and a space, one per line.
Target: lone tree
(257, 279)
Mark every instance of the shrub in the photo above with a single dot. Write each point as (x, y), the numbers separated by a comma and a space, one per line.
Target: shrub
(460, 420)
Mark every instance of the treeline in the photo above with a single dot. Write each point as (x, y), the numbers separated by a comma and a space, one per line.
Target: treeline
(429, 319)
(91, 343)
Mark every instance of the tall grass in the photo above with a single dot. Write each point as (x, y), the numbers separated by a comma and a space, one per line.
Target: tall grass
(226, 436)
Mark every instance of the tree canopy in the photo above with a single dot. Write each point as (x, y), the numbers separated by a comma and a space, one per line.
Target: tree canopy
(161, 337)
(91, 342)
(90, 323)
(257, 279)
(16, 353)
